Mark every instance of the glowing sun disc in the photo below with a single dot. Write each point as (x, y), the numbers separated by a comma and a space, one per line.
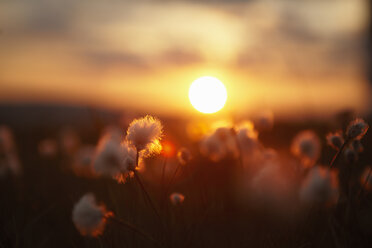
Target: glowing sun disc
(207, 95)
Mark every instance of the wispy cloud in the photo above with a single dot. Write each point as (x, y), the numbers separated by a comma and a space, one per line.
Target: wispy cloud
(50, 43)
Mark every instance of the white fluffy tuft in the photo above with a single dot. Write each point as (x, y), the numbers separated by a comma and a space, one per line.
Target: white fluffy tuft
(89, 217)
(145, 134)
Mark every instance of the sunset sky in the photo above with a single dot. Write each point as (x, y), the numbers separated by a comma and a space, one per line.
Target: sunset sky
(288, 56)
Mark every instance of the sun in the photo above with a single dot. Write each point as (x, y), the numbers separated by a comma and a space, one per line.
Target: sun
(207, 95)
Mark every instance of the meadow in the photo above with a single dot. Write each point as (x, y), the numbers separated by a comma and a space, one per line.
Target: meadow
(79, 177)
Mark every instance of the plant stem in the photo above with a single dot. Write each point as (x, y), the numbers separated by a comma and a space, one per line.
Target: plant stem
(136, 230)
(172, 178)
(147, 196)
(163, 174)
(365, 184)
(240, 150)
(137, 158)
(338, 154)
(167, 189)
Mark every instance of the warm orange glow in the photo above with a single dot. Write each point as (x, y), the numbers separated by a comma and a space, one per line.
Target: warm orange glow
(168, 149)
(129, 65)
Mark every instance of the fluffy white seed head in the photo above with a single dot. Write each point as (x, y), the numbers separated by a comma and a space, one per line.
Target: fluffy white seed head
(320, 186)
(306, 145)
(129, 153)
(227, 136)
(83, 162)
(184, 155)
(247, 136)
(213, 148)
(335, 140)
(226, 141)
(177, 198)
(357, 129)
(113, 159)
(89, 217)
(270, 185)
(145, 134)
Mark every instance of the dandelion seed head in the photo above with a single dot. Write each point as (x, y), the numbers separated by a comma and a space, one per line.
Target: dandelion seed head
(247, 125)
(247, 136)
(227, 137)
(89, 217)
(83, 162)
(320, 186)
(109, 158)
(223, 133)
(130, 163)
(113, 159)
(269, 185)
(306, 145)
(145, 134)
(335, 140)
(184, 156)
(177, 198)
(357, 129)
(152, 149)
(213, 148)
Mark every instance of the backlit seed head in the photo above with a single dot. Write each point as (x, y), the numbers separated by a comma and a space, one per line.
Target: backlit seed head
(357, 129)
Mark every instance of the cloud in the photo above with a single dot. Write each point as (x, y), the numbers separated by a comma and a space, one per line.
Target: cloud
(111, 59)
(181, 57)
(38, 17)
(114, 59)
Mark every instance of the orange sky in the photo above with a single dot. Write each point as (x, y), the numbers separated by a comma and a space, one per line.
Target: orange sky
(288, 56)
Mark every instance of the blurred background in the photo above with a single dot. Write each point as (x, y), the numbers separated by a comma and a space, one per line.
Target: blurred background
(300, 59)
(74, 71)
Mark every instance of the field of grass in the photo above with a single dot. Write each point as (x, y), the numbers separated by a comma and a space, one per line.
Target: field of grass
(239, 193)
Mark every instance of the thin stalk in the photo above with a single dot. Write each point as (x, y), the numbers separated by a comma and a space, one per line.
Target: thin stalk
(240, 150)
(136, 230)
(365, 184)
(146, 194)
(167, 189)
(338, 154)
(163, 174)
(137, 158)
(348, 193)
(172, 178)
